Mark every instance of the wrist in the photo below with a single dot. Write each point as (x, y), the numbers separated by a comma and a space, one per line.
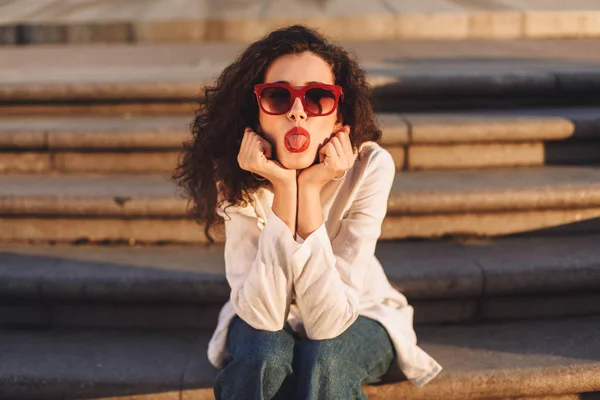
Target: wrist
(287, 187)
(307, 185)
(310, 189)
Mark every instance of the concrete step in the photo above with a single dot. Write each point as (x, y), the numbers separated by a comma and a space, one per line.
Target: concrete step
(70, 21)
(418, 141)
(424, 204)
(555, 360)
(398, 84)
(184, 287)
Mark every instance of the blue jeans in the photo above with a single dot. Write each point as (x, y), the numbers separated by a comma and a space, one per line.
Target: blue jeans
(278, 365)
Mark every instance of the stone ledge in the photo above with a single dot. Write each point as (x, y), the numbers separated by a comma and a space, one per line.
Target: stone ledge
(497, 189)
(393, 81)
(499, 361)
(168, 132)
(422, 193)
(156, 219)
(406, 158)
(396, 21)
(436, 270)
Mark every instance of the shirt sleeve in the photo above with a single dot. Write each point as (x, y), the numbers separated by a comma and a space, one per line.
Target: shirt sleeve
(258, 269)
(328, 275)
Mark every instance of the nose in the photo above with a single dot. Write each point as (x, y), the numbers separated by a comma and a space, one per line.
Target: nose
(297, 111)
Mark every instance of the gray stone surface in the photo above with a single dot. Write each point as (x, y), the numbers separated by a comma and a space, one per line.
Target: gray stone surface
(108, 275)
(538, 265)
(504, 125)
(195, 273)
(548, 306)
(525, 359)
(495, 189)
(490, 223)
(415, 193)
(8, 35)
(460, 156)
(513, 359)
(77, 364)
(389, 73)
(585, 81)
(563, 267)
(395, 129)
(133, 316)
(140, 163)
(406, 78)
(147, 186)
(109, 230)
(161, 21)
(110, 132)
(28, 162)
(411, 267)
(483, 126)
(445, 311)
(25, 316)
(23, 273)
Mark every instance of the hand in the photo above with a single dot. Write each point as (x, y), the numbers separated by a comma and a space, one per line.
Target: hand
(335, 157)
(254, 156)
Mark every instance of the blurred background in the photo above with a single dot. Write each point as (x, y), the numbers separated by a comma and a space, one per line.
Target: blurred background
(490, 108)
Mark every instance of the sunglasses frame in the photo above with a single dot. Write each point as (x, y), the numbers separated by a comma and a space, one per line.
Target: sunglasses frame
(299, 92)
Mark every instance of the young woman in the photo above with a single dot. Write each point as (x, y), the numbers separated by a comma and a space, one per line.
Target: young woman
(284, 151)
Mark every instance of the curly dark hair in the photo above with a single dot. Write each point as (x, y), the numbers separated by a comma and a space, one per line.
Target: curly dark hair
(208, 164)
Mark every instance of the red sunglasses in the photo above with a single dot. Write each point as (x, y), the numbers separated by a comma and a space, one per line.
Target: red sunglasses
(318, 99)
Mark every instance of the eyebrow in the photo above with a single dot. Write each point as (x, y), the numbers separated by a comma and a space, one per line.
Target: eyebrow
(307, 83)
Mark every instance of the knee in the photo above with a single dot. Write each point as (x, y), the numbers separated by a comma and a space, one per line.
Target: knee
(327, 355)
(266, 358)
(266, 349)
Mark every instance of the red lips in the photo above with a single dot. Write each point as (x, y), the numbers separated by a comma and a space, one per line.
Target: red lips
(297, 139)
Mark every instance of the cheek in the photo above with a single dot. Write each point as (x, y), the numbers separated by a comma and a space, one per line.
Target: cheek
(268, 127)
(268, 122)
(325, 126)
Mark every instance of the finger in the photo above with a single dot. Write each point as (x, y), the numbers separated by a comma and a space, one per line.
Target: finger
(266, 147)
(330, 151)
(339, 148)
(246, 139)
(243, 149)
(256, 142)
(322, 154)
(346, 142)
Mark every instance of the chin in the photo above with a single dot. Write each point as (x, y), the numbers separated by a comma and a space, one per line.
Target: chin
(298, 160)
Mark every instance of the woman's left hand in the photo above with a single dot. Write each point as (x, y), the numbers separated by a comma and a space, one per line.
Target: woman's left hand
(335, 157)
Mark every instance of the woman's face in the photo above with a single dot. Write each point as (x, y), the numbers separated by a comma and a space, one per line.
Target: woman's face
(298, 70)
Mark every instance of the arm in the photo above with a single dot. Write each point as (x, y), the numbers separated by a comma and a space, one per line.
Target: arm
(257, 264)
(284, 204)
(328, 275)
(257, 267)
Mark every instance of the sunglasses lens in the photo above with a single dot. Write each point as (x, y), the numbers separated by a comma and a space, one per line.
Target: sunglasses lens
(276, 100)
(319, 101)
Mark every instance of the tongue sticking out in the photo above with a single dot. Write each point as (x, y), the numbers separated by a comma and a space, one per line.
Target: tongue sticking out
(296, 142)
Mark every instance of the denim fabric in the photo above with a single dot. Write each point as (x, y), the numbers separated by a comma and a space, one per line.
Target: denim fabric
(279, 365)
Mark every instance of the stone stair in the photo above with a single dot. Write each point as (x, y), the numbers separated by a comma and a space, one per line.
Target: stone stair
(108, 290)
(397, 85)
(418, 141)
(93, 21)
(428, 204)
(541, 360)
(526, 311)
(168, 287)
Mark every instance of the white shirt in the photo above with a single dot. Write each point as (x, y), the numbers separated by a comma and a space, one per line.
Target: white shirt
(320, 285)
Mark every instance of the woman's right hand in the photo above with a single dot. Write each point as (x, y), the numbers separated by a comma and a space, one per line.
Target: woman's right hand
(254, 156)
